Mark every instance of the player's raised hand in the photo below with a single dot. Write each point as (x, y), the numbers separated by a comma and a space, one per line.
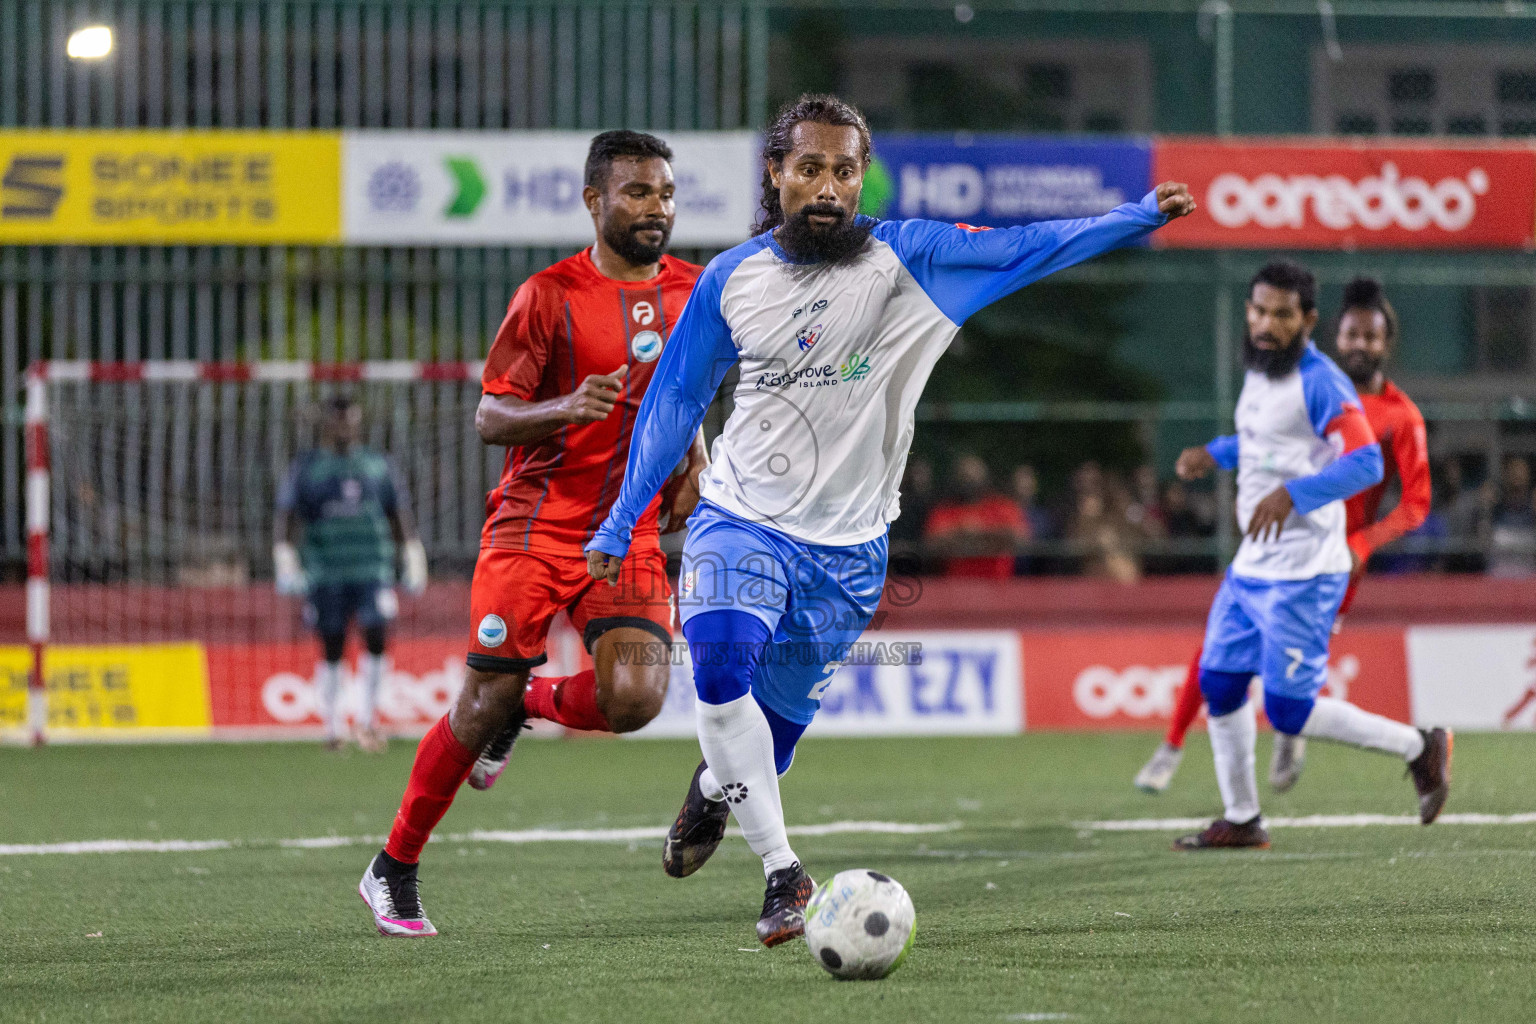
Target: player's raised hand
(595, 398)
(1270, 513)
(1194, 463)
(1174, 200)
(602, 566)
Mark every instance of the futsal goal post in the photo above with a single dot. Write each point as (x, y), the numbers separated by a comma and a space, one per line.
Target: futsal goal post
(150, 511)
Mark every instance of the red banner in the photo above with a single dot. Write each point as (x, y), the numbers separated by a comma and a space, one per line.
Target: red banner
(1306, 195)
(272, 687)
(1129, 679)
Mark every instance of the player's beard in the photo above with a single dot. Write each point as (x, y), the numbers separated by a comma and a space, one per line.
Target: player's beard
(626, 243)
(1274, 363)
(838, 243)
(1361, 367)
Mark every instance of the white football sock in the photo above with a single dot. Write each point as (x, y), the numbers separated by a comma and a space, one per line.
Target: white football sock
(1342, 722)
(1233, 738)
(738, 747)
(373, 677)
(709, 787)
(330, 692)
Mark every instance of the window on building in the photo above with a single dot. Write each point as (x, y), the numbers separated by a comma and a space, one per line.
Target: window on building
(999, 85)
(1505, 321)
(1415, 90)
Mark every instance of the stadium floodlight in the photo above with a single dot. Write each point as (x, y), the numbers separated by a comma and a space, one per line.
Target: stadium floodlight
(90, 43)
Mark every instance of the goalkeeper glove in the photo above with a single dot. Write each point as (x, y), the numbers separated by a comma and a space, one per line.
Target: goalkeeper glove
(414, 573)
(291, 581)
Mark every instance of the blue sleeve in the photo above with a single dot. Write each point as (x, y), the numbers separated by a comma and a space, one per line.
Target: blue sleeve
(1224, 451)
(964, 269)
(1326, 390)
(697, 357)
(1344, 477)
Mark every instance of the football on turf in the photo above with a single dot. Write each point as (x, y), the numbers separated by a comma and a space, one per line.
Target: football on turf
(860, 925)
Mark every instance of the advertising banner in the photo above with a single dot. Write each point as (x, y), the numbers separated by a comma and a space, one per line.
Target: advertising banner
(1129, 679)
(111, 690)
(150, 187)
(1474, 677)
(1000, 181)
(524, 188)
(1338, 195)
(896, 683)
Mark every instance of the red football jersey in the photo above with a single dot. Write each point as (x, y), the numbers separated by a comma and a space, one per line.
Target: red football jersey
(1399, 427)
(564, 324)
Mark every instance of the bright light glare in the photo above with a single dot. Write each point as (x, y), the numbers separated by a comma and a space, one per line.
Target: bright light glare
(91, 43)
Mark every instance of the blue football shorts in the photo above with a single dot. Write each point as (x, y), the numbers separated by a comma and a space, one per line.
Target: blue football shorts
(1277, 629)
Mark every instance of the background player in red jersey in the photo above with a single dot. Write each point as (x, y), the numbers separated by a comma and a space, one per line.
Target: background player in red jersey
(1366, 336)
(562, 383)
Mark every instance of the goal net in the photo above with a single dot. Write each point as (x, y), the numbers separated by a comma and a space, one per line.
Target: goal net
(151, 510)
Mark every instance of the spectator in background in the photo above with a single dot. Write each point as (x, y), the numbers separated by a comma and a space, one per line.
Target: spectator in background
(1145, 511)
(1026, 491)
(1183, 521)
(907, 531)
(1466, 518)
(1098, 526)
(1041, 524)
(1512, 539)
(975, 529)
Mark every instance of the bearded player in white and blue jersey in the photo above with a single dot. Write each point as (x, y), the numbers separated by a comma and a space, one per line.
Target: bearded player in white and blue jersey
(836, 320)
(1303, 445)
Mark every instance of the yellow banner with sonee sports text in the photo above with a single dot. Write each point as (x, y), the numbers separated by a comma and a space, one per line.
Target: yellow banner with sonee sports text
(169, 187)
(112, 689)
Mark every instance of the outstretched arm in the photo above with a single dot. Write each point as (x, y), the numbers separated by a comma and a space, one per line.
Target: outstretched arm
(963, 269)
(695, 360)
(1410, 453)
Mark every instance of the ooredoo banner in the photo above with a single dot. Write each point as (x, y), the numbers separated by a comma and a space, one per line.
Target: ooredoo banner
(1310, 195)
(1129, 679)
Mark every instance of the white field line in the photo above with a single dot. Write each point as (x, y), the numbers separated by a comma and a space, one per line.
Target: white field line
(1310, 821)
(533, 835)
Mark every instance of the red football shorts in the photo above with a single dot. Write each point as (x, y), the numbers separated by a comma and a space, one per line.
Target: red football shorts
(1344, 606)
(516, 594)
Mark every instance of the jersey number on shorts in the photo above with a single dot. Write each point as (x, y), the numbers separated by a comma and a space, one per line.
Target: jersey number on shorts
(1297, 656)
(820, 689)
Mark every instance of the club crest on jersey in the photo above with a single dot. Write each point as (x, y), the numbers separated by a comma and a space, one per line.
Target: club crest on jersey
(805, 337)
(645, 346)
(642, 312)
(492, 631)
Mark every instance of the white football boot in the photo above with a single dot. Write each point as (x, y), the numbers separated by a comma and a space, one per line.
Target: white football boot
(394, 900)
(1157, 773)
(1286, 762)
(497, 753)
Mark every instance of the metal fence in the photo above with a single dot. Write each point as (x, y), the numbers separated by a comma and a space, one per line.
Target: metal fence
(337, 64)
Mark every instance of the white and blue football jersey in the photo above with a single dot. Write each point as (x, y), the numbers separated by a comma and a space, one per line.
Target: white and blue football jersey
(1293, 432)
(833, 360)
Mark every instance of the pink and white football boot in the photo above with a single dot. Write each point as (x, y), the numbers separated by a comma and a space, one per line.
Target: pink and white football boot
(389, 889)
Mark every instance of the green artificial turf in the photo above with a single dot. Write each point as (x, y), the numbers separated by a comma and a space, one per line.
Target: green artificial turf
(1022, 915)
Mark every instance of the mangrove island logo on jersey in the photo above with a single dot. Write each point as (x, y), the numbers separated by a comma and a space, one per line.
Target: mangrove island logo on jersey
(856, 368)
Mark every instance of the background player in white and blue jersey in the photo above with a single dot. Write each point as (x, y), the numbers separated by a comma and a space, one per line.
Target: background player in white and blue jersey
(1303, 445)
(341, 519)
(836, 320)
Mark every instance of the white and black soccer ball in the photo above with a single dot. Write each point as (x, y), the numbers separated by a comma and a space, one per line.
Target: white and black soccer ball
(860, 925)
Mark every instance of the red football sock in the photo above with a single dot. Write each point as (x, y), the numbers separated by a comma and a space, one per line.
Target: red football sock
(1188, 707)
(442, 765)
(569, 700)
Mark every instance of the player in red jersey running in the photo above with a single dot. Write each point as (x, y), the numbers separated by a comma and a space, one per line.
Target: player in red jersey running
(1366, 337)
(561, 386)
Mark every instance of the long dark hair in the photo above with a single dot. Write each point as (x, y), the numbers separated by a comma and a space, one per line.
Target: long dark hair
(1367, 293)
(818, 108)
